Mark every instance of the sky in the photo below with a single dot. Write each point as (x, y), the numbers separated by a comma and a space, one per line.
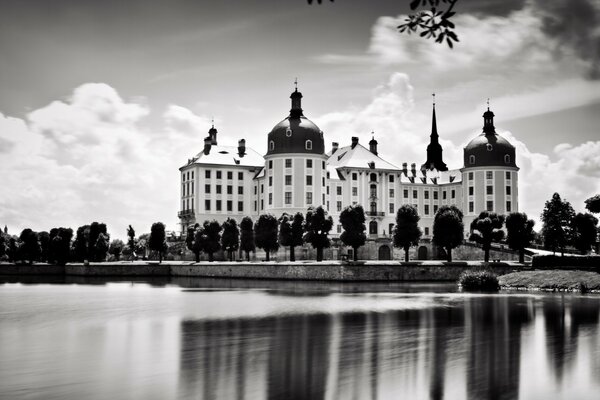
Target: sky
(102, 102)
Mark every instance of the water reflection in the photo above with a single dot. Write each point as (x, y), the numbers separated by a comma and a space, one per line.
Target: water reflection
(214, 340)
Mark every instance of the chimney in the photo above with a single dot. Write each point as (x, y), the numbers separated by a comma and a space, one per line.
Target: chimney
(334, 147)
(354, 141)
(405, 168)
(207, 144)
(413, 169)
(241, 147)
(373, 145)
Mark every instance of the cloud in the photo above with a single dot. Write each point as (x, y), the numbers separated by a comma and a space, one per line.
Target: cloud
(92, 158)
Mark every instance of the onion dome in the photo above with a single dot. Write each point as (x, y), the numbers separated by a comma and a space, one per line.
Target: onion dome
(489, 149)
(296, 133)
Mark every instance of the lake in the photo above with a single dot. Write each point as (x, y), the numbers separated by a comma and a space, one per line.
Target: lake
(196, 338)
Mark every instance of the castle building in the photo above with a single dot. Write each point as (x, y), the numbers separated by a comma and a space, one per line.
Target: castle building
(297, 173)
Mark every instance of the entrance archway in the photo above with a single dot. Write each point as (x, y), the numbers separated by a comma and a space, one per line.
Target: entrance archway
(422, 253)
(385, 253)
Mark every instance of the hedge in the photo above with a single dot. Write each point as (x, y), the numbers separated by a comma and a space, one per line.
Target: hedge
(554, 261)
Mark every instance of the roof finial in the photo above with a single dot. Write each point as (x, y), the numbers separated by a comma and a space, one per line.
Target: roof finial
(212, 121)
(296, 83)
(488, 103)
(433, 95)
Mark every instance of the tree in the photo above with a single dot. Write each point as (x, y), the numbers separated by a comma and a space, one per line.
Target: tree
(13, 249)
(142, 245)
(30, 247)
(158, 239)
(212, 238)
(44, 240)
(291, 231)
(593, 204)
(60, 244)
(98, 242)
(247, 236)
(353, 220)
(406, 231)
(131, 241)
(3, 244)
(265, 231)
(317, 227)
(520, 233)
(116, 248)
(557, 217)
(80, 246)
(101, 247)
(584, 232)
(485, 229)
(230, 241)
(194, 240)
(448, 229)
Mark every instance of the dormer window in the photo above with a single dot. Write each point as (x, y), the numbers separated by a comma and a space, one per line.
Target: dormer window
(288, 132)
(471, 159)
(308, 145)
(271, 145)
(507, 158)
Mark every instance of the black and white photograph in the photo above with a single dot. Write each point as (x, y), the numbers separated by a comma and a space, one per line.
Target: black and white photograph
(300, 199)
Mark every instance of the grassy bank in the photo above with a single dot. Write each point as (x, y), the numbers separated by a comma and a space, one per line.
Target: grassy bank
(552, 280)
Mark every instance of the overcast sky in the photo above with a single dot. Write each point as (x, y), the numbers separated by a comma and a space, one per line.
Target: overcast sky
(102, 101)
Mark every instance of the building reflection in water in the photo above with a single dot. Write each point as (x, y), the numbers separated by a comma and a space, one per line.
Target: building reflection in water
(472, 348)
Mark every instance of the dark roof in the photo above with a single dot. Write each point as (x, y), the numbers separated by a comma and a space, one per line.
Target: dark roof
(489, 149)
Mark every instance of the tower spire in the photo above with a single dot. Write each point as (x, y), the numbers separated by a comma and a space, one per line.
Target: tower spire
(434, 134)
(434, 149)
(296, 111)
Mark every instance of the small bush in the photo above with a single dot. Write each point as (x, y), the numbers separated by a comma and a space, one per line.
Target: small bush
(484, 281)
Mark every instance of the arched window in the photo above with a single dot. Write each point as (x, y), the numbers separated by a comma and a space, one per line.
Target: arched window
(373, 207)
(308, 145)
(373, 191)
(507, 158)
(288, 132)
(271, 145)
(373, 177)
(373, 228)
(471, 159)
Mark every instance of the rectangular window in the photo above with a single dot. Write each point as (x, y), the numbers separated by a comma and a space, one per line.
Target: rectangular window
(288, 180)
(270, 164)
(308, 180)
(444, 195)
(229, 189)
(507, 175)
(270, 198)
(453, 193)
(426, 209)
(262, 204)
(435, 195)
(391, 178)
(489, 175)
(240, 190)
(355, 191)
(339, 206)
(354, 176)
(270, 181)
(406, 193)
(327, 189)
(339, 229)
(415, 195)
(470, 176)
(435, 208)
(489, 189)
(323, 181)
(391, 208)
(288, 163)
(262, 189)
(218, 174)
(229, 205)
(229, 175)
(426, 195)
(218, 189)
(288, 198)
(188, 175)
(471, 208)
(207, 174)
(489, 205)
(470, 190)
(426, 231)
(240, 176)
(323, 164)
(309, 163)
(508, 190)
(206, 188)
(207, 205)
(255, 189)
(338, 190)
(255, 205)
(308, 197)
(391, 193)
(218, 205)
(240, 206)
(192, 174)
(508, 206)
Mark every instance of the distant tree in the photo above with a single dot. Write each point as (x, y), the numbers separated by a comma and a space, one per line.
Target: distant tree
(131, 241)
(265, 232)
(158, 239)
(317, 227)
(593, 204)
(142, 245)
(230, 241)
(584, 232)
(448, 229)
(212, 238)
(291, 231)
(13, 249)
(98, 242)
(486, 229)
(44, 240)
(30, 246)
(194, 240)
(407, 232)
(3, 244)
(116, 248)
(520, 233)
(353, 220)
(101, 247)
(557, 217)
(60, 244)
(247, 236)
(80, 246)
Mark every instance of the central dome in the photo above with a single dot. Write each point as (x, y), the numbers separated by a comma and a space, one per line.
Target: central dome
(296, 133)
(489, 148)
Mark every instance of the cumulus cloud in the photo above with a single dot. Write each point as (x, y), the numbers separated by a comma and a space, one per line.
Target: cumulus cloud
(91, 158)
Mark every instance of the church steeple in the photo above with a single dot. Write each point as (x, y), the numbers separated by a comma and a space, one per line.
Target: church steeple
(296, 96)
(434, 149)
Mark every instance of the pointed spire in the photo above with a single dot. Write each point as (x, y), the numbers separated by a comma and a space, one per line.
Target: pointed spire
(434, 149)
(434, 134)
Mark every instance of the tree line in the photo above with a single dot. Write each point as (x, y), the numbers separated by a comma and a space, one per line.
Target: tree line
(562, 227)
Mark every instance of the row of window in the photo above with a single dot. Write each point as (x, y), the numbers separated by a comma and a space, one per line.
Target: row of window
(187, 188)
(186, 176)
(307, 144)
(489, 206)
(219, 174)
(415, 194)
(506, 157)
(490, 175)
(219, 205)
(207, 189)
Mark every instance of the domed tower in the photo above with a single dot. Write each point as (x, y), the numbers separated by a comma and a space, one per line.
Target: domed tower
(295, 172)
(490, 175)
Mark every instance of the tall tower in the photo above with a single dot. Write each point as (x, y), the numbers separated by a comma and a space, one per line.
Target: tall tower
(434, 149)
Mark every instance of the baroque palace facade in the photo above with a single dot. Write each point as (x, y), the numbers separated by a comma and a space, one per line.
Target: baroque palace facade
(297, 173)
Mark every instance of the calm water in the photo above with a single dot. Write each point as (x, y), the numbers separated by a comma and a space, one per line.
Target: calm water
(214, 339)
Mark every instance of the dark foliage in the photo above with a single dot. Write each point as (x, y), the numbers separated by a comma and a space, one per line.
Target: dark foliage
(406, 232)
(478, 281)
(194, 240)
(98, 242)
(116, 248)
(211, 239)
(485, 229)
(30, 247)
(230, 241)
(593, 204)
(3, 244)
(317, 227)
(520, 233)
(44, 240)
(247, 236)
(158, 240)
(291, 231)
(353, 220)
(131, 241)
(553, 261)
(60, 245)
(584, 232)
(448, 229)
(12, 250)
(557, 217)
(265, 231)
(433, 23)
